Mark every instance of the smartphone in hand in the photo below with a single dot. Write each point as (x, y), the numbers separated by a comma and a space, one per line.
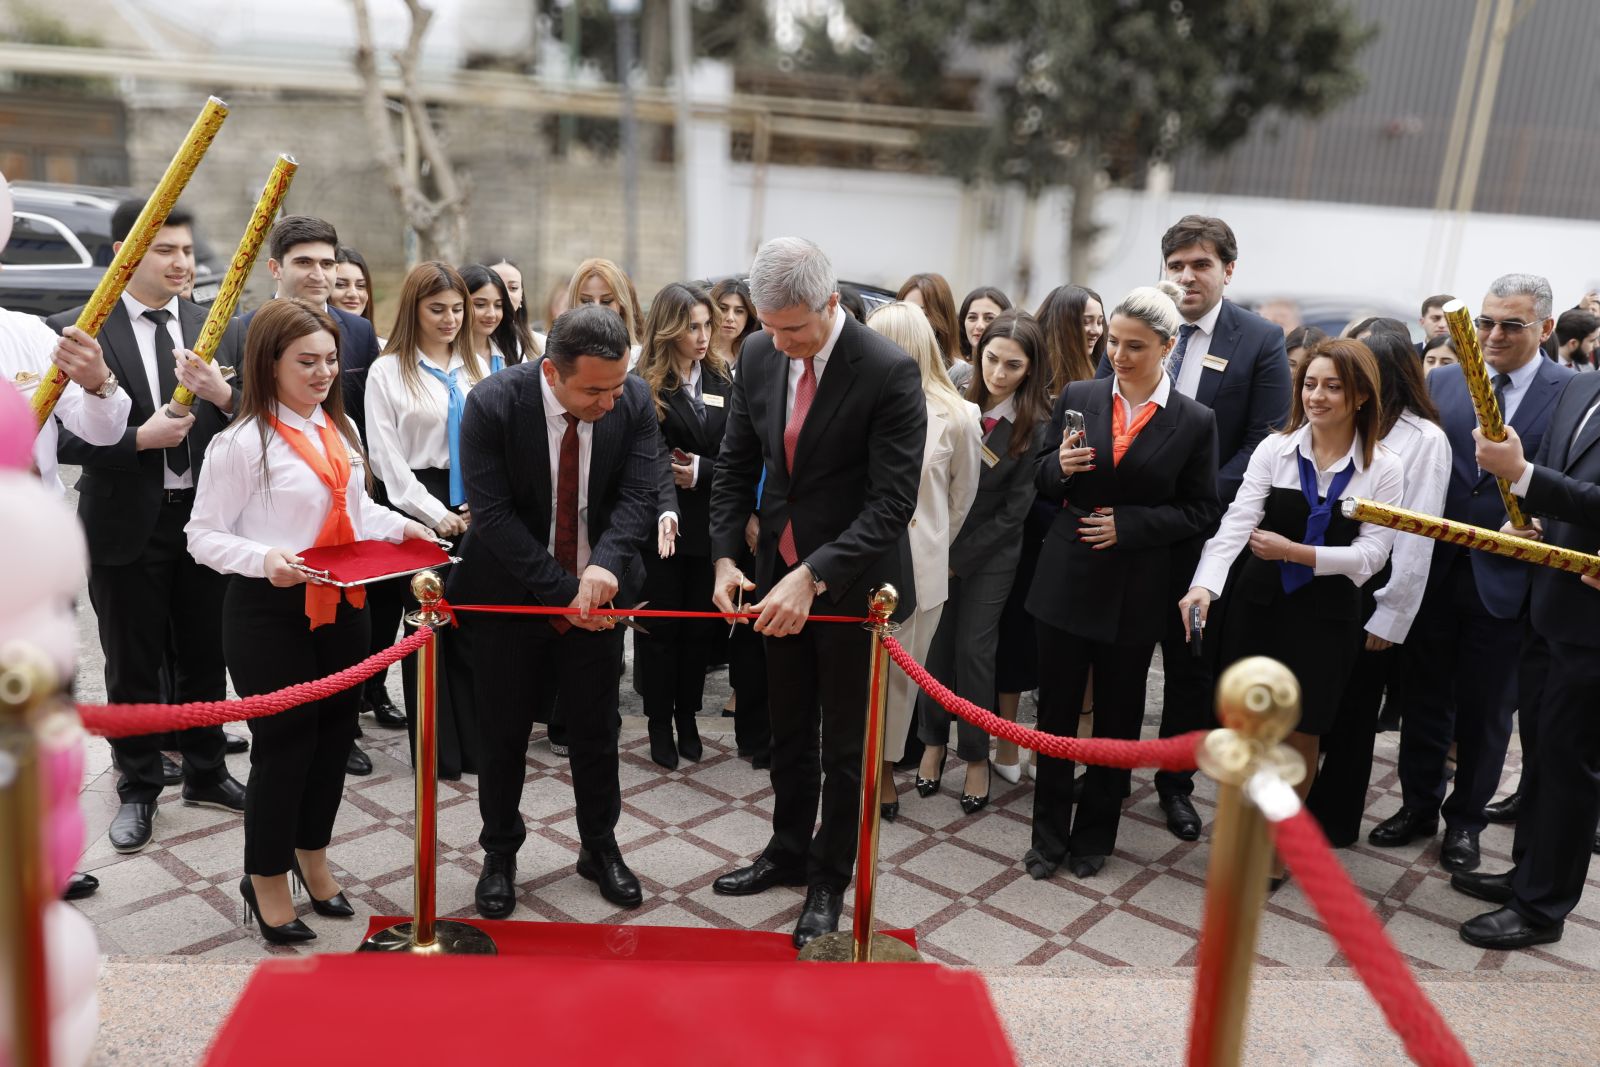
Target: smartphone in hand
(1074, 426)
(1197, 630)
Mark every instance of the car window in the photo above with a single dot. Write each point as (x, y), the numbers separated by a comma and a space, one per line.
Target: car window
(37, 241)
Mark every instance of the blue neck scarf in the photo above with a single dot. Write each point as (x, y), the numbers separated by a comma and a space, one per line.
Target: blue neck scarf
(1295, 575)
(458, 406)
(497, 362)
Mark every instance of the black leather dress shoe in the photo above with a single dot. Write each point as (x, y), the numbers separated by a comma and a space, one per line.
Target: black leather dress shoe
(889, 812)
(1085, 866)
(386, 714)
(236, 744)
(171, 771)
(1182, 819)
(759, 877)
(1460, 850)
(131, 828)
(1495, 888)
(1403, 827)
(357, 763)
(819, 916)
(1506, 929)
(662, 749)
(80, 885)
(1506, 810)
(224, 795)
(496, 895)
(605, 867)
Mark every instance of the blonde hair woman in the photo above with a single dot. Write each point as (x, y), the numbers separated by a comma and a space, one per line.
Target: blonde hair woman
(950, 465)
(600, 281)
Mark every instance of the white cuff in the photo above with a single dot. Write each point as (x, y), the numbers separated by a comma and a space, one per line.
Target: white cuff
(1525, 479)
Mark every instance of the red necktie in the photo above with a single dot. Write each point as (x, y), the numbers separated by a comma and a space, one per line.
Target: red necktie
(989, 423)
(803, 394)
(567, 506)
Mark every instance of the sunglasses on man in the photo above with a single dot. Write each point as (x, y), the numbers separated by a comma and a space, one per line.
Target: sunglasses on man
(1510, 327)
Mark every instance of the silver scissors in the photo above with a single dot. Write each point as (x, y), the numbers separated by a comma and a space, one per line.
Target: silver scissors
(630, 623)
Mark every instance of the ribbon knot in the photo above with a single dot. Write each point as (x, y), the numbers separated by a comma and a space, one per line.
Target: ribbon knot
(333, 471)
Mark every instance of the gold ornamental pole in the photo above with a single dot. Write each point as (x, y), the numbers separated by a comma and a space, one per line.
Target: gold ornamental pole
(1258, 703)
(244, 260)
(1465, 336)
(145, 227)
(1460, 533)
(26, 690)
(426, 935)
(861, 944)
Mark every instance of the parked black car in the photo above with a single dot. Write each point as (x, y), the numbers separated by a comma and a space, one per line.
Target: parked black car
(61, 245)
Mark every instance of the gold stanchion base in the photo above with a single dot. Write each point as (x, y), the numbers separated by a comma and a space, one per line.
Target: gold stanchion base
(839, 947)
(449, 939)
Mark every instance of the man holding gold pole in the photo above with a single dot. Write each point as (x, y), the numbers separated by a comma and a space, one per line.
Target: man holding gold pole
(1463, 653)
(1561, 776)
(134, 500)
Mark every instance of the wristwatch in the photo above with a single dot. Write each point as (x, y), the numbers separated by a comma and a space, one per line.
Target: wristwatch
(108, 388)
(818, 586)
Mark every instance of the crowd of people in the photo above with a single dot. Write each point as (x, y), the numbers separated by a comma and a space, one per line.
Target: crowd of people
(1054, 494)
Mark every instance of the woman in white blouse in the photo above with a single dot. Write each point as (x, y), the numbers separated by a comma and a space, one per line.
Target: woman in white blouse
(285, 476)
(1291, 562)
(415, 399)
(1410, 429)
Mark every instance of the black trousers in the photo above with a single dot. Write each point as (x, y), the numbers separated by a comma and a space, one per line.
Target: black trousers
(386, 603)
(1188, 689)
(1119, 682)
(1339, 794)
(817, 685)
(1560, 789)
(669, 664)
(160, 622)
(1462, 662)
(297, 757)
(1533, 668)
(747, 673)
(512, 658)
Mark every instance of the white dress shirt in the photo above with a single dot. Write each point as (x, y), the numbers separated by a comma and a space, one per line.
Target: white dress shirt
(1424, 453)
(409, 431)
(819, 363)
(25, 347)
(1194, 356)
(555, 428)
(144, 332)
(239, 516)
(1274, 465)
(1159, 398)
(1006, 409)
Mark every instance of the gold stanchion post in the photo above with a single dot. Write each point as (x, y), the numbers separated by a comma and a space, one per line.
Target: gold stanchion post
(861, 944)
(427, 935)
(26, 689)
(1258, 703)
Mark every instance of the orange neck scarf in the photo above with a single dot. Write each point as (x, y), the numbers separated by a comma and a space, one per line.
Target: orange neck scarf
(333, 471)
(1122, 434)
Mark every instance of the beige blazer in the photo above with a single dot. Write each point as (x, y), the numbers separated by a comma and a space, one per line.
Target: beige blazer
(950, 464)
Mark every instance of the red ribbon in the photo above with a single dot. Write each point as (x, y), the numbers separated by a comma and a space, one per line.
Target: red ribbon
(620, 613)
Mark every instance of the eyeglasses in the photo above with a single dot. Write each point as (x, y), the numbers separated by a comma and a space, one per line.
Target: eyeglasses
(1508, 326)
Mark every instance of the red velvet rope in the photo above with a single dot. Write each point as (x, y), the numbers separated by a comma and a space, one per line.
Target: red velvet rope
(130, 720)
(1167, 754)
(1428, 1040)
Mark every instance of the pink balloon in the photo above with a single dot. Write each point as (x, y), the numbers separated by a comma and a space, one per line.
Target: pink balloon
(16, 430)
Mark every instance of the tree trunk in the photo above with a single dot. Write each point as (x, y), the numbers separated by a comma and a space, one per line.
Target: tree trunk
(1083, 178)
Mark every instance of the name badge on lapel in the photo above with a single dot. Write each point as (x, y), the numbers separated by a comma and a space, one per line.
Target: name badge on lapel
(713, 400)
(989, 457)
(1214, 363)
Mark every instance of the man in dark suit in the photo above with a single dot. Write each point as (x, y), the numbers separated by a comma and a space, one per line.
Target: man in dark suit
(562, 469)
(1233, 362)
(1560, 797)
(134, 499)
(834, 414)
(1462, 654)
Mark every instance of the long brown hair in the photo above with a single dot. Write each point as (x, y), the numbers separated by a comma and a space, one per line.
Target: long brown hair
(1400, 377)
(621, 287)
(671, 312)
(939, 305)
(736, 288)
(1060, 316)
(273, 328)
(1031, 400)
(1357, 369)
(405, 340)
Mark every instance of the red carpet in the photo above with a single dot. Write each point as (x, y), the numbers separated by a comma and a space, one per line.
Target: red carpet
(397, 1009)
(596, 941)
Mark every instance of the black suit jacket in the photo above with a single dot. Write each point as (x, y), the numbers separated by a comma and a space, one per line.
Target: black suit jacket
(1162, 494)
(1250, 396)
(505, 462)
(857, 466)
(120, 492)
(1564, 491)
(682, 428)
(991, 536)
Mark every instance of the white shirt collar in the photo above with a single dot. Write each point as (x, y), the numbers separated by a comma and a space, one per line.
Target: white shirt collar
(1208, 321)
(552, 406)
(292, 418)
(1301, 440)
(455, 361)
(833, 337)
(1006, 409)
(136, 308)
(1160, 397)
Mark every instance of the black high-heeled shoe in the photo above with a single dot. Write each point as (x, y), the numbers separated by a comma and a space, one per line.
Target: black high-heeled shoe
(662, 749)
(289, 933)
(335, 907)
(689, 745)
(972, 804)
(889, 811)
(927, 787)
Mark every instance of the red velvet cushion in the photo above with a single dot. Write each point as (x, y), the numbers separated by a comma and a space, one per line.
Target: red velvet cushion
(362, 561)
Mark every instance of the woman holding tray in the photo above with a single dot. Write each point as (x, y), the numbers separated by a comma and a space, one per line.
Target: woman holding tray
(287, 475)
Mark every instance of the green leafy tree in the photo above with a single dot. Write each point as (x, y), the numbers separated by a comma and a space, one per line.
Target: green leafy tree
(1089, 92)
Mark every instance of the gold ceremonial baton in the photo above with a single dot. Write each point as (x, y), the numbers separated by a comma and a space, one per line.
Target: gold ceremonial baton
(1465, 336)
(145, 227)
(1460, 533)
(244, 261)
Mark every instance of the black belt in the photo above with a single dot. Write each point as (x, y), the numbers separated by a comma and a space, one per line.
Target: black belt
(177, 496)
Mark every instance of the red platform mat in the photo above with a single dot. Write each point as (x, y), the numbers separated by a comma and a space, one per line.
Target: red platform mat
(383, 1008)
